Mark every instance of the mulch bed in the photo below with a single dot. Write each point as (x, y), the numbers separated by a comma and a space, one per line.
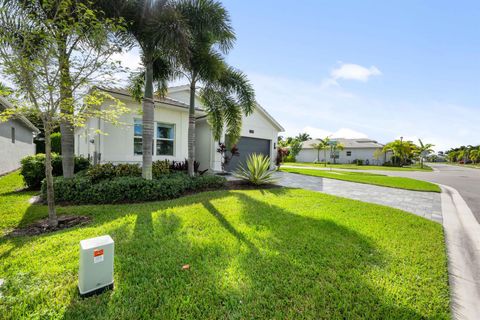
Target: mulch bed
(41, 226)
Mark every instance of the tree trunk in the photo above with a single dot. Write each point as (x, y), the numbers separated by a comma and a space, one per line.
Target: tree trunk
(191, 130)
(325, 157)
(66, 107)
(147, 122)
(52, 215)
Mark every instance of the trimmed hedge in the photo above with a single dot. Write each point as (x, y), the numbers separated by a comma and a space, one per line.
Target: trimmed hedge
(33, 168)
(82, 190)
(106, 171)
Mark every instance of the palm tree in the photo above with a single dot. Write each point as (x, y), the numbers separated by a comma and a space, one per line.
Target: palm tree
(424, 150)
(303, 137)
(324, 144)
(226, 92)
(333, 150)
(475, 155)
(158, 30)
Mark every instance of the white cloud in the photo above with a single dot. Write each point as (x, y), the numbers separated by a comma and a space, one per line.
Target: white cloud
(350, 71)
(341, 133)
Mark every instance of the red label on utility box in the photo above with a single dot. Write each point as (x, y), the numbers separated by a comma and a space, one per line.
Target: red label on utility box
(98, 252)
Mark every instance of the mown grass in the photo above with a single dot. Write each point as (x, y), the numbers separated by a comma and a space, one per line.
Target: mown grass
(369, 178)
(415, 167)
(263, 254)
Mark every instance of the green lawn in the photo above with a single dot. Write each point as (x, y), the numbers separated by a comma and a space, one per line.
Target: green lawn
(356, 167)
(369, 178)
(264, 254)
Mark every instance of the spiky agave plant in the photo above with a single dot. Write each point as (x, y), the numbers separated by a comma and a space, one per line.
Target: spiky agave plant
(257, 170)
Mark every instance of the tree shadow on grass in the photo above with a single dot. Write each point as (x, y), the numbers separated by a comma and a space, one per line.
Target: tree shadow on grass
(255, 260)
(262, 262)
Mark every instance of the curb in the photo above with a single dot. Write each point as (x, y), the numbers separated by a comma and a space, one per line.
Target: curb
(462, 238)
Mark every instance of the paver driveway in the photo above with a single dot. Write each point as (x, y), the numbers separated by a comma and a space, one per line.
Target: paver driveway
(425, 204)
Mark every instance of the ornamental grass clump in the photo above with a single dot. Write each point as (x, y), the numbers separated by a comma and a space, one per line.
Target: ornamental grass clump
(257, 170)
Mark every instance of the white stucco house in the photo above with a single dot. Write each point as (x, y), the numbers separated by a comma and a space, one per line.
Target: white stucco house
(354, 149)
(123, 143)
(16, 140)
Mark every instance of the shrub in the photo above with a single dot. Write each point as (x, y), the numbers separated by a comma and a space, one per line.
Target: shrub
(107, 171)
(257, 170)
(100, 172)
(183, 166)
(358, 162)
(207, 181)
(289, 158)
(56, 142)
(160, 167)
(83, 190)
(33, 168)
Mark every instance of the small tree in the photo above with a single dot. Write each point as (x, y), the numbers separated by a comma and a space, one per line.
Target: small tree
(324, 144)
(295, 148)
(475, 155)
(29, 60)
(84, 41)
(334, 147)
(423, 150)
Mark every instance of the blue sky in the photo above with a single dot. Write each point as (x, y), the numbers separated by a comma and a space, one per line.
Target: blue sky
(421, 60)
(381, 69)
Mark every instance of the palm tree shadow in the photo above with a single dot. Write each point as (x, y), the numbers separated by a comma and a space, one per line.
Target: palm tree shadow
(324, 261)
(227, 225)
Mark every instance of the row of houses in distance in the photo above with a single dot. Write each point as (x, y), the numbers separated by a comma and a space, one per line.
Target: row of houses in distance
(368, 151)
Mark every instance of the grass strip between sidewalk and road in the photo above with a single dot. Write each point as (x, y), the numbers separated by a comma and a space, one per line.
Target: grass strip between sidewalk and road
(369, 178)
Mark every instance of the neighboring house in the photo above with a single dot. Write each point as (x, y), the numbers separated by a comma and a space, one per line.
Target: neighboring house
(16, 140)
(366, 150)
(123, 143)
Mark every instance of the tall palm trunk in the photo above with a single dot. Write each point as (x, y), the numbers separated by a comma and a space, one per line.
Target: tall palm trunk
(66, 98)
(191, 130)
(147, 121)
(52, 215)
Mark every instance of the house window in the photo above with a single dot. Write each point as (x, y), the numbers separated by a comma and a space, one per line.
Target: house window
(13, 135)
(165, 139)
(349, 153)
(137, 137)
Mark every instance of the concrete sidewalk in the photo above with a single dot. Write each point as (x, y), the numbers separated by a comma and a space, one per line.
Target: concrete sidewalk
(462, 237)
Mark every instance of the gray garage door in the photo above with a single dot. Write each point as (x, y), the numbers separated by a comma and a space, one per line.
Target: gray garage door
(247, 146)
